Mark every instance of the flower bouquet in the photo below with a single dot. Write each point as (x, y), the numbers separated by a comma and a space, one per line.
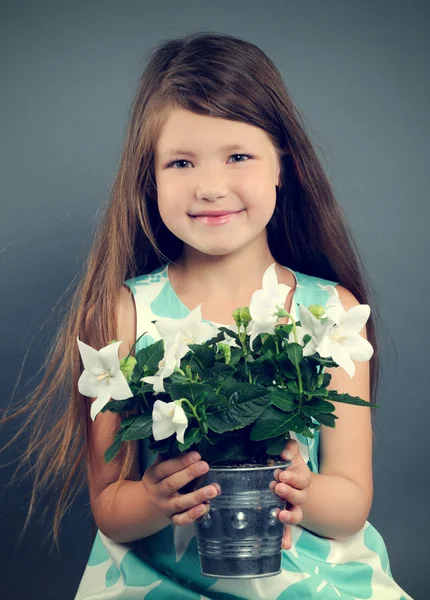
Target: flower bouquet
(234, 396)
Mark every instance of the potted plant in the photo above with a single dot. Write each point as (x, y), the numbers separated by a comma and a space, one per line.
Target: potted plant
(234, 396)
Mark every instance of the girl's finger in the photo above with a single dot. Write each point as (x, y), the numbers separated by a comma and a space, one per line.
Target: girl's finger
(170, 485)
(292, 516)
(287, 538)
(180, 503)
(191, 515)
(291, 450)
(291, 494)
(298, 480)
(160, 468)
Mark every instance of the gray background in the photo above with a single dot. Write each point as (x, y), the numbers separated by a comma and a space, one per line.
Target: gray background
(359, 74)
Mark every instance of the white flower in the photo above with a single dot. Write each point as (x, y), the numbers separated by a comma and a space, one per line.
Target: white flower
(102, 377)
(334, 308)
(191, 329)
(309, 325)
(229, 340)
(171, 360)
(266, 303)
(168, 418)
(343, 341)
(177, 334)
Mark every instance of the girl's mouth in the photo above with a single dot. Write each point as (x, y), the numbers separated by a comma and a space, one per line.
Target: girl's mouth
(216, 220)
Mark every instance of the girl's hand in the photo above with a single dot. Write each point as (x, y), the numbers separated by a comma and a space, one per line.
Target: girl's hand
(292, 485)
(164, 478)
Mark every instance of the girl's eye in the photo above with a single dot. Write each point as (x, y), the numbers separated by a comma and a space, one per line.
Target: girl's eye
(175, 162)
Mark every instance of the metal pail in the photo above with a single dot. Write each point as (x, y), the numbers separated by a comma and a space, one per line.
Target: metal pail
(240, 537)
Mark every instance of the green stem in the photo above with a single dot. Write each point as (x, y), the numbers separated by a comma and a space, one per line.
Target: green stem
(198, 362)
(134, 345)
(299, 374)
(145, 401)
(242, 338)
(193, 410)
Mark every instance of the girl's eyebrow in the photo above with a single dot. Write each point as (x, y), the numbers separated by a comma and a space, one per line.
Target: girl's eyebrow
(190, 153)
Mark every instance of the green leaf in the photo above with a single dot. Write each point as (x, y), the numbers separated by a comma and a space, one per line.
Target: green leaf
(117, 406)
(195, 392)
(192, 436)
(113, 450)
(317, 406)
(308, 433)
(247, 402)
(276, 445)
(271, 423)
(268, 344)
(292, 385)
(204, 355)
(306, 339)
(139, 429)
(317, 392)
(177, 378)
(231, 333)
(347, 399)
(326, 419)
(212, 377)
(264, 358)
(166, 446)
(308, 377)
(149, 357)
(326, 380)
(283, 399)
(295, 353)
(284, 331)
(325, 362)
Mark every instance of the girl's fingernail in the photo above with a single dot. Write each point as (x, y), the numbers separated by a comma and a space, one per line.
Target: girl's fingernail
(288, 455)
(195, 456)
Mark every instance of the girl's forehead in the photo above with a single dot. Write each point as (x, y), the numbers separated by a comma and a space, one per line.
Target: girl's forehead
(183, 129)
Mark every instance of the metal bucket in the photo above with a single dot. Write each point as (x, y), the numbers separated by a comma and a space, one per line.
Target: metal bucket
(240, 537)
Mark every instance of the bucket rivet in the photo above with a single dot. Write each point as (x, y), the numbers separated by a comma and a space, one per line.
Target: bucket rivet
(239, 520)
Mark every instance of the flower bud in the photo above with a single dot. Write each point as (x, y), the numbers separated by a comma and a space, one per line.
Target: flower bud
(236, 316)
(127, 365)
(245, 316)
(317, 310)
(282, 313)
(226, 350)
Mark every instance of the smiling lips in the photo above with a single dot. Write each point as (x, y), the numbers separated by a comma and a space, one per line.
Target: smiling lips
(217, 217)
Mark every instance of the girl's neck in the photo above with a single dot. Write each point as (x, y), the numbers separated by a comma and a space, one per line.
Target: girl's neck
(228, 276)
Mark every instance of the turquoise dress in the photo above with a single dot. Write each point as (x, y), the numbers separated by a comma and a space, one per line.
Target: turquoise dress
(166, 566)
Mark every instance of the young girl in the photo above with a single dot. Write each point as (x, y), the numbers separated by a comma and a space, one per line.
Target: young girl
(218, 180)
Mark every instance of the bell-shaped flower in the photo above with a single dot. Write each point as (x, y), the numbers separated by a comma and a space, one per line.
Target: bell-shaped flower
(334, 308)
(265, 304)
(343, 342)
(102, 377)
(190, 330)
(312, 326)
(168, 418)
(171, 361)
(230, 341)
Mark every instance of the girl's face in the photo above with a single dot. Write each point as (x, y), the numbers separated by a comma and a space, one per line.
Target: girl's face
(205, 165)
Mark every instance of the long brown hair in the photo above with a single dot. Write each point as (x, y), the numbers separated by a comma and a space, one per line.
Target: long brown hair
(210, 74)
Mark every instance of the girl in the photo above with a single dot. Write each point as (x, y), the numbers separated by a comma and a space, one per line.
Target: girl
(218, 180)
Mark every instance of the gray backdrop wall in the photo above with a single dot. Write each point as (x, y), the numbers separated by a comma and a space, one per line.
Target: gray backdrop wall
(359, 72)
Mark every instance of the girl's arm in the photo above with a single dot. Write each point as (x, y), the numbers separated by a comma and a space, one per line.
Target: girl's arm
(335, 502)
(340, 496)
(130, 516)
